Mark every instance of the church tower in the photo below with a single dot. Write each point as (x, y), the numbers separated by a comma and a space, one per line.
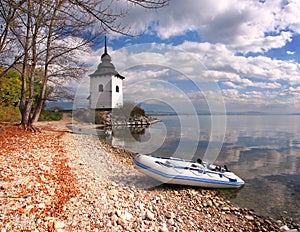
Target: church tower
(106, 85)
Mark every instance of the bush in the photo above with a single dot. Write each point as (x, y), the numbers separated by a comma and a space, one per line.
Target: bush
(137, 111)
(9, 114)
(47, 115)
(129, 109)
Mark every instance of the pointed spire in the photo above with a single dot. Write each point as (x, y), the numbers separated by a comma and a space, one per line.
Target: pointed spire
(105, 55)
(105, 47)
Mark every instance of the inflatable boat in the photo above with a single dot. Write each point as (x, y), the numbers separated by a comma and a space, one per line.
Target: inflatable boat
(187, 172)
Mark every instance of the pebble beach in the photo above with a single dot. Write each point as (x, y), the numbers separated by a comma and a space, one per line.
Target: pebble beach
(55, 180)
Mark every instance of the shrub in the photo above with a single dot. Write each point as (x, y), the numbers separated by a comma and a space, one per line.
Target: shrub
(9, 114)
(48, 115)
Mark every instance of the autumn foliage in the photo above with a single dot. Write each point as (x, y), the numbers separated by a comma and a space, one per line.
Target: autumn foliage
(36, 181)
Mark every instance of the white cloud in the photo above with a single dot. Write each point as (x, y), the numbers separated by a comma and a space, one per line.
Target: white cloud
(290, 15)
(290, 52)
(231, 85)
(243, 25)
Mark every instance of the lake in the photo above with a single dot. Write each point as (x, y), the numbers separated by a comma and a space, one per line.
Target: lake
(264, 150)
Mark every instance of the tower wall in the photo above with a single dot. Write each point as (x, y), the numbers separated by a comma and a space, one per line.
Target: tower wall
(117, 92)
(101, 98)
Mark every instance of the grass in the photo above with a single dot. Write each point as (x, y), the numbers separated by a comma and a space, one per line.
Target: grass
(12, 114)
(47, 115)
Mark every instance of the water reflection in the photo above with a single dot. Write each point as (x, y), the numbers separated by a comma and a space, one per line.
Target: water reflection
(120, 135)
(263, 150)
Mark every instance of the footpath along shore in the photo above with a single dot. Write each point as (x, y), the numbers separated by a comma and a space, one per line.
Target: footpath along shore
(55, 180)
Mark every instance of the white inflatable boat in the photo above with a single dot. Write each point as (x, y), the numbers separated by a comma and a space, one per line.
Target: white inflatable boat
(187, 172)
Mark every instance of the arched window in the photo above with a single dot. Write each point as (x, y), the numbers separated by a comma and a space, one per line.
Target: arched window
(117, 88)
(100, 88)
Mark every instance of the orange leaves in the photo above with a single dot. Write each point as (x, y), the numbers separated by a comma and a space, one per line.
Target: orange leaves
(36, 181)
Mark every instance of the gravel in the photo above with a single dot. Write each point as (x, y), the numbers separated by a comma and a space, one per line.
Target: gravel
(59, 181)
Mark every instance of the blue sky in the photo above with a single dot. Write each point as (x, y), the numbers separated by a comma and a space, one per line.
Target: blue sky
(247, 50)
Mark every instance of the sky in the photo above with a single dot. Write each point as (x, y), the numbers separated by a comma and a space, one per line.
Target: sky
(221, 56)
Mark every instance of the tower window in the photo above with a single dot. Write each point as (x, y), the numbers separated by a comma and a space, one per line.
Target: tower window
(117, 88)
(100, 88)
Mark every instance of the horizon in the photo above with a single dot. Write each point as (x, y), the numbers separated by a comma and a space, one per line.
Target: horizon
(68, 106)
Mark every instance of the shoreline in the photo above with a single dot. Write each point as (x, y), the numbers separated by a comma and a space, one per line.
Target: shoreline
(60, 181)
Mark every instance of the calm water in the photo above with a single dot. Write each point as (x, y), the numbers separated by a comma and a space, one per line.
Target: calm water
(263, 150)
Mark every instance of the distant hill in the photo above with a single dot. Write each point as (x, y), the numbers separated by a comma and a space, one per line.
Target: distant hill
(63, 105)
(156, 109)
(247, 113)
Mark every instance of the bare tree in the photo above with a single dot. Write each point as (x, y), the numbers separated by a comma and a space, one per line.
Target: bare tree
(48, 34)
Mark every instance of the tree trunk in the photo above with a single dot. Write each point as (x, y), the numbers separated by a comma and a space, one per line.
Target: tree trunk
(33, 68)
(42, 94)
(25, 112)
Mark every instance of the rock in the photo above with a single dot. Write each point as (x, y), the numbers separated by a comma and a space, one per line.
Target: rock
(209, 203)
(249, 217)
(121, 221)
(150, 215)
(225, 208)
(216, 203)
(258, 223)
(114, 218)
(164, 228)
(284, 228)
(221, 202)
(234, 209)
(119, 213)
(171, 221)
(113, 192)
(41, 205)
(179, 219)
(194, 192)
(170, 215)
(127, 216)
(59, 225)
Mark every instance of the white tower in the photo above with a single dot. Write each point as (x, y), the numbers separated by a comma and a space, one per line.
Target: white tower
(106, 85)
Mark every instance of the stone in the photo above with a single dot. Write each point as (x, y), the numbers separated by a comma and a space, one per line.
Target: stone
(114, 218)
(119, 213)
(41, 205)
(225, 208)
(121, 221)
(216, 203)
(113, 192)
(150, 215)
(209, 203)
(170, 214)
(194, 192)
(171, 221)
(164, 228)
(179, 219)
(284, 228)
(59, 225)
(127, 216)
(249, 217)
